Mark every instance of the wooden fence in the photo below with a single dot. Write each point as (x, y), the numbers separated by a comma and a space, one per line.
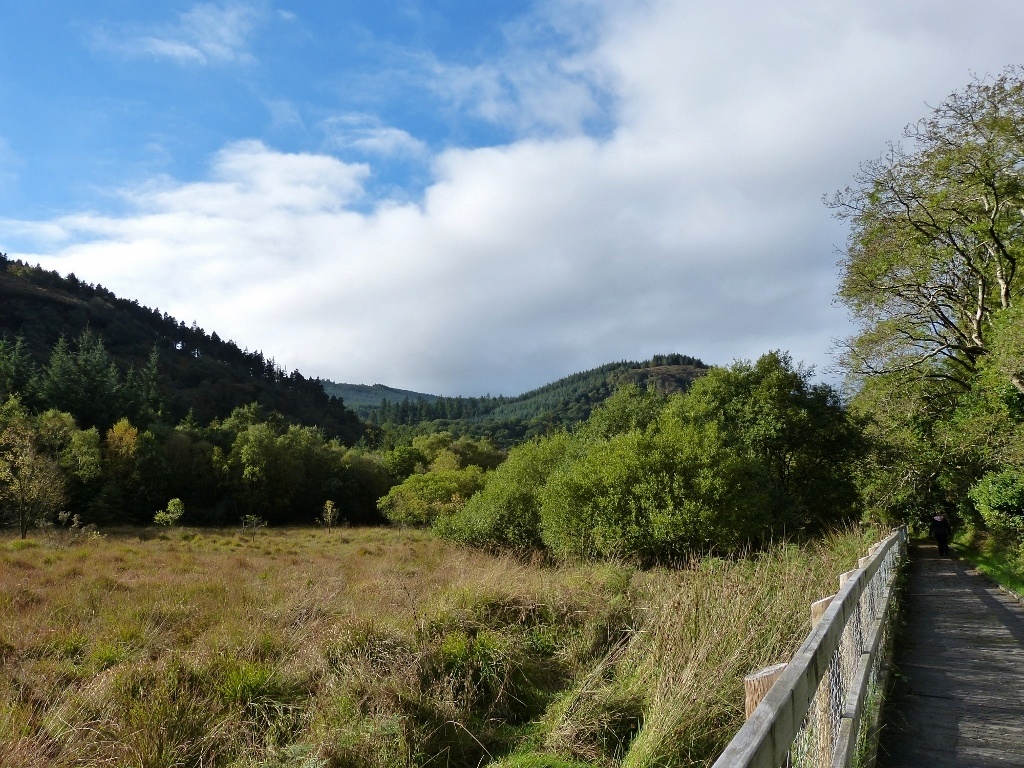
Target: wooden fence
(812, 712)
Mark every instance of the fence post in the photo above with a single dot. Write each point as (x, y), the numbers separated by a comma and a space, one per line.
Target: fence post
(823, 696)
(818, 608)
(757, 684)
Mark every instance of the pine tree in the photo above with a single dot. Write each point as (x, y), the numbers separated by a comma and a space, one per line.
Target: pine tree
(17, 370)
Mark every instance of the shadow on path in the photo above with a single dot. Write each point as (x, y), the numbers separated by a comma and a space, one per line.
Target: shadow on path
(958, 692)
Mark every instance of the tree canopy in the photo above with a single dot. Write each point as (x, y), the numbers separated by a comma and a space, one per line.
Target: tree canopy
(937, 237)
(932, 276)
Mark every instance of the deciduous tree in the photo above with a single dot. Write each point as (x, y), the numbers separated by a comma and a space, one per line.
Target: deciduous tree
(31, 484)
(937, 238)
(932, 274)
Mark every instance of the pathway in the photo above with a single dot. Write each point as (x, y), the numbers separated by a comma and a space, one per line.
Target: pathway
(958, 696)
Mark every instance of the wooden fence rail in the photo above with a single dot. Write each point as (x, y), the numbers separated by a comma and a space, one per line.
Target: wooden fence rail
(812, 714)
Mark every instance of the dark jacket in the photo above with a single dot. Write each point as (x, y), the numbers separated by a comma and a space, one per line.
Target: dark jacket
(940, 529)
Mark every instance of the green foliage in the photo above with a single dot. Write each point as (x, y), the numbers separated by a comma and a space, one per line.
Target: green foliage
(751, 452)
(329, 517)
(1001, 558)
(420, 499)
(148, 367)
(277, 472)
(935, 237)
(127, 462)
(506, 513)
(402, 461)
(628, 409)
(999, 497)
(368, 481)
(17, 369)
(481, 453)
(797, 439)
(83, 380)
(931, 276)
(32, 488)
(510, 420)
(171, 515)
(656, 495)
(431, 444)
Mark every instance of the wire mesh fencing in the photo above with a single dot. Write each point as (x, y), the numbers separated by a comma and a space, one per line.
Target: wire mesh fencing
(822, 708)
(848, 690)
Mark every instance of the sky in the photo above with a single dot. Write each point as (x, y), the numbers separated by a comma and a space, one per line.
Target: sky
(468, 197)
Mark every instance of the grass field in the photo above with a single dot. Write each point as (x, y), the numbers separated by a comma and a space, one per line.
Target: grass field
(381, 647)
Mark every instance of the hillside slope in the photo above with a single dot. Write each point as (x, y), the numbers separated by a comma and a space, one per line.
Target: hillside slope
(363, 398)
(199, 372)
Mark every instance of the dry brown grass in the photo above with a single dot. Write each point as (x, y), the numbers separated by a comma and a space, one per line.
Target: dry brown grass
(378, 647)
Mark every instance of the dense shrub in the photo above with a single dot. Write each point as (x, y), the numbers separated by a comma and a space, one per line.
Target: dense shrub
(419, 499)
(796, 437)
(673, 489)
(506, 513)
(999, 497)
(751, 452)
(629, 408)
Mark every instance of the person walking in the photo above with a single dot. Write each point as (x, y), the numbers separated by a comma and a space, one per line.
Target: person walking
(941, 530)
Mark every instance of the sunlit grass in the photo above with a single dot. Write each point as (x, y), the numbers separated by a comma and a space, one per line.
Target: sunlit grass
(1003, 564)
(381, 647)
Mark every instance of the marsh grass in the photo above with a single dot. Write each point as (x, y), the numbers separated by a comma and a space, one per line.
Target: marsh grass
(381, 648)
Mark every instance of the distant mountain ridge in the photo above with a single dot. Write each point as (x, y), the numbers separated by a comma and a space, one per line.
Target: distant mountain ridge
(208, 377)
(365, 397)
(561, 403)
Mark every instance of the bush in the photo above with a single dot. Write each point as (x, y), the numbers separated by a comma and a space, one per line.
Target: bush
(653, 495)
(629, 408)
(506, 513)
(751, 452)
(419, 499)
(171, 515)
(999, 497)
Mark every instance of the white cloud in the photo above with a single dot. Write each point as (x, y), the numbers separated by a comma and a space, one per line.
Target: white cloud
(365, 134)
(538, 83)
(694, 226)
(520, 93)
(205, 34)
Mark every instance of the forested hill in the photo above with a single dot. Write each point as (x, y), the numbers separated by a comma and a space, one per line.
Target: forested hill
(509, 419)
(570, 398)
(198, 372)
(364, 398)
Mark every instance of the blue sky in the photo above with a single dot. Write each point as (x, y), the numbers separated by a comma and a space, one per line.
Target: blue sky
(467, 197)
(108, 93)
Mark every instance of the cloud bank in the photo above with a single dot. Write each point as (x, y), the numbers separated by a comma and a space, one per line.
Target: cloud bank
(692, 222)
